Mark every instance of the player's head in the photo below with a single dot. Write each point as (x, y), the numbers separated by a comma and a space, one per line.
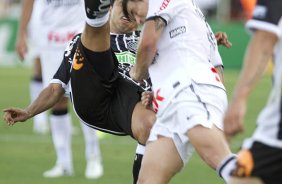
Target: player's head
(120, 23)
(135, 10)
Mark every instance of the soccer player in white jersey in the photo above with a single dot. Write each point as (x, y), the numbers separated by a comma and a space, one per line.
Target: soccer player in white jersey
(178, 49)
(260, 159)
(40, 121)
(60, 20)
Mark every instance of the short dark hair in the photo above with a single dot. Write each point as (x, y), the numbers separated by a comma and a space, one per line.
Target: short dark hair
(124, 8)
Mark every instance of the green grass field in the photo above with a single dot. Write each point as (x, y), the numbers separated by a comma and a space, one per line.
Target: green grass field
(24, 156)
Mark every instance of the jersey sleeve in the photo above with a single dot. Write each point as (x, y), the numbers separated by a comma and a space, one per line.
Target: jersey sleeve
(165, 9)
(267, 17)
(217, 60)
(62, 76)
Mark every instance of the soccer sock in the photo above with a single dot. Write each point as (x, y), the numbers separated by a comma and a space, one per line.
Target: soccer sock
(97, 12)
(40, 120)
(92, 146)
(137, 162)
(61, 133)
(226, 166)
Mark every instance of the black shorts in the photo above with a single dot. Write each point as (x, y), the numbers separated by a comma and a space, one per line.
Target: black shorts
(260, 161)
(268, 11)
(102, 98)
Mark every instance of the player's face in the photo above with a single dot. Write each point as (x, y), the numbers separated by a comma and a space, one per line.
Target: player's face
(119, 23)
(137, 10)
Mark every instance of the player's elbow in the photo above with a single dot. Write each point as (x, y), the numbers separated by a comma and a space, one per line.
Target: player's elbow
(56, 90)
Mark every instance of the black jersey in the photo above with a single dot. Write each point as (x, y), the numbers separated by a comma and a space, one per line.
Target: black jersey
(103, 103)
(125, 48)
(123, 45)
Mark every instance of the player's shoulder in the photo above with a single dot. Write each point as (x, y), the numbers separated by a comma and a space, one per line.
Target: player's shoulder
(71, 47)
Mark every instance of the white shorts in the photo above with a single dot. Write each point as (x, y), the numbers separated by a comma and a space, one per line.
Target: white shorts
(196, 104)
(51, 59)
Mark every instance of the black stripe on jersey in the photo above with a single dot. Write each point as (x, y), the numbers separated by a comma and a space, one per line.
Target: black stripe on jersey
(280, 121)
(157, 17)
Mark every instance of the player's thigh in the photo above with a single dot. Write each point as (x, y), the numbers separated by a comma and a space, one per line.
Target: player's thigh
(209, 143)
(253, 180)
(161, 161)
(142, 122)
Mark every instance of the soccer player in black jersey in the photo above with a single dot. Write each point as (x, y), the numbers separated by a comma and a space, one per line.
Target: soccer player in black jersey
(260, 158)
(94, 73)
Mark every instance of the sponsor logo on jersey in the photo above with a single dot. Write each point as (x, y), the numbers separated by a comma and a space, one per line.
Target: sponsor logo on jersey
(57, 3)
(54, 37)
(164, 4)
(177, 31)
(126, 58)
(77, 60)
(157, 98)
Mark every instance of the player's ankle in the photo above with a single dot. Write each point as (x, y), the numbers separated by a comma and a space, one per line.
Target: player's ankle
(97, 12)
(226, 166)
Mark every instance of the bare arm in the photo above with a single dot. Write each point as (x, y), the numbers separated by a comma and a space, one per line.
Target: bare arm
(147, 48)
(26, 11)
(259, 52)
(46, 99)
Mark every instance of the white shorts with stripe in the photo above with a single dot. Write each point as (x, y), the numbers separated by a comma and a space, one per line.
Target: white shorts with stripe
(195, 104)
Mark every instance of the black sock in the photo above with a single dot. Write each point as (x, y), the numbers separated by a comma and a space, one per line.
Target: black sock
(136, 167)
(97, 12)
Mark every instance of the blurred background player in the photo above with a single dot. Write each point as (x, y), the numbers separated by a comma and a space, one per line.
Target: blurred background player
(40, 121)
(58, 22)
(260, 160)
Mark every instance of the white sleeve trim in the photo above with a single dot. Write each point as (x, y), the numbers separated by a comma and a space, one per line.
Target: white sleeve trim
(253, 25)
(57, 81)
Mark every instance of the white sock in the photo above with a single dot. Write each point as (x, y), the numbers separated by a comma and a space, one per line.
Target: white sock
(140, 149)
(61, 133)
(226, 166)
(98, 22)
(92, 146)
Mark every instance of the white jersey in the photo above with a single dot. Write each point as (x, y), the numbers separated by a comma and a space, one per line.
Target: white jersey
(187, 44)
(61, 20)
(269, 129)
(34, 27)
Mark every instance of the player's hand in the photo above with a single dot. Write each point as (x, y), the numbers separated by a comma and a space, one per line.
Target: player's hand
(13, 115)
(222, 39)
(147, 98)
(21, 47)
(234, 118)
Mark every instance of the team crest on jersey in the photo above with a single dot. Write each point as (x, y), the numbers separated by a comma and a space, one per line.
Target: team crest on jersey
(132, 46)
(178, 31)
(131, 43)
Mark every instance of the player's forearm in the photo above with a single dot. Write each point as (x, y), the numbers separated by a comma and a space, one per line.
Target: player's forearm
(148, 46)
(256, 60)
(145, 57)
(46, 99)
(27, 7)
